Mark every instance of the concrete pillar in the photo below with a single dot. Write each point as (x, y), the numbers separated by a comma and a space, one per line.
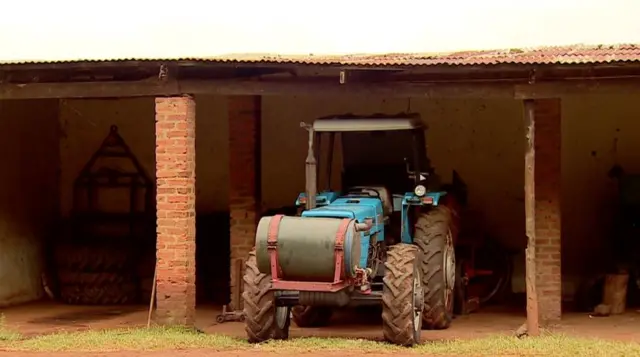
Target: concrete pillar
(176, 216)
(244, 177)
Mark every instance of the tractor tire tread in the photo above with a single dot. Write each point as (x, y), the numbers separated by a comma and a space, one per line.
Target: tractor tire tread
(397, 296)
(259, 305)
(431, 231)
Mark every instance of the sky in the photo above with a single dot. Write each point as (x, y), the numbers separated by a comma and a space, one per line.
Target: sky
(73, 29)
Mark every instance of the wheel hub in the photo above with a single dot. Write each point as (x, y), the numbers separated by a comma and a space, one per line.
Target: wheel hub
(449, 268)
(418, 303)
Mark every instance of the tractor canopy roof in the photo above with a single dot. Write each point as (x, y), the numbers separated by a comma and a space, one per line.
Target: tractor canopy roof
(376, 122)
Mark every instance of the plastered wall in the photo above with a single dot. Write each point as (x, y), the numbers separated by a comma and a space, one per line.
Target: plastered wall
(28, 194)
(598, 132)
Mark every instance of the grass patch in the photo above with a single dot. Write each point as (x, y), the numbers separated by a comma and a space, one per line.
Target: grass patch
(5, 333)
(158, 338)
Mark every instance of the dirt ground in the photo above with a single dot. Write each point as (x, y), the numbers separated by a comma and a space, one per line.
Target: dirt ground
(198, 353)
(43, 318)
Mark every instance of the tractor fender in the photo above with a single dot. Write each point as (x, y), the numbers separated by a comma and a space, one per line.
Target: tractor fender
(453, 210)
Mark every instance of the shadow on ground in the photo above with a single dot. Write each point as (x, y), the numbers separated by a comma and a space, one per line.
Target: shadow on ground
(86, 315)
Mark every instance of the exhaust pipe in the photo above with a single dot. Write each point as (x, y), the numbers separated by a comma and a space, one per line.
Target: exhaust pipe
(310, 170)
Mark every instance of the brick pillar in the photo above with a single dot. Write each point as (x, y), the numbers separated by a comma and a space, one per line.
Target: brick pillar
(176, 217)
(547, 207)
(244, 177)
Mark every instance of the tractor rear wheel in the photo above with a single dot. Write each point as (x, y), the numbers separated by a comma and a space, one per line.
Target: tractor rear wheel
(311, 316)
(402, 295)
(263, 319)
(433, 236)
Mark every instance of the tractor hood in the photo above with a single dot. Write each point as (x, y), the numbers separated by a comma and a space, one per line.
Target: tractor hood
(348, 207)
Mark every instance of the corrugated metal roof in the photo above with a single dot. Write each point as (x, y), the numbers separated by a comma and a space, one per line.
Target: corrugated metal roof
(577, 54)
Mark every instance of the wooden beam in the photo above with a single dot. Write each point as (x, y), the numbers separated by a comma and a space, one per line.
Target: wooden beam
(105, 89)
(251, 72)
(556, 89)
(533, 323)
(299, 87)
(318, 87)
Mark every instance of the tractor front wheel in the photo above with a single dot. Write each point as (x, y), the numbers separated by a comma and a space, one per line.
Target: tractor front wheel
(263, 319)
(311, 316)
(402, 295)
(433, 236)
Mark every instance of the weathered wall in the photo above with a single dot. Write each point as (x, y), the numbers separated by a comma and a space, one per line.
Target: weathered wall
(85, 123)
(598, 132)
(28, 194)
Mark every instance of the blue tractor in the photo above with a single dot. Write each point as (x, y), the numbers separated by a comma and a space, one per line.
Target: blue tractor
(387, 239)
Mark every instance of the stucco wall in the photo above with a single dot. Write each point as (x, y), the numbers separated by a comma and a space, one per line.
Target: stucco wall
(28, 194)
(85, 123)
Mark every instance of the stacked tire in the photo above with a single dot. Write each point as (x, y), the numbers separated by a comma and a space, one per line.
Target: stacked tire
(96, 275)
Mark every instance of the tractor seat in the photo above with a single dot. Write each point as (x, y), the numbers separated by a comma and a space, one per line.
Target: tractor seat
(385, 197)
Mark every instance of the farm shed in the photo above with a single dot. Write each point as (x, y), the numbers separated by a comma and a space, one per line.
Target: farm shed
(221, 136)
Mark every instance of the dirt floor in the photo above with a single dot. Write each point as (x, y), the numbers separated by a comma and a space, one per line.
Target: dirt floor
(198, 353)
(43, 318)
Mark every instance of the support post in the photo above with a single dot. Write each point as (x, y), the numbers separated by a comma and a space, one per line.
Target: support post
(533, 315)
(245, 184)
(548, 217)
(175, 207)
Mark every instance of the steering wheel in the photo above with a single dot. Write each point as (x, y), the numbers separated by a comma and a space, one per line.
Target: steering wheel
(357, 191)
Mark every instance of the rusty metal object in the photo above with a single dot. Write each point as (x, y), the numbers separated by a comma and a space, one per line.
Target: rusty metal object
(569, 54)
(272, 246)
(93, 178)
(229, 315)
(234, 313)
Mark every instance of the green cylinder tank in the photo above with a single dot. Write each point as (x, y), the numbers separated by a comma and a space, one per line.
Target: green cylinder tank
(306, 248)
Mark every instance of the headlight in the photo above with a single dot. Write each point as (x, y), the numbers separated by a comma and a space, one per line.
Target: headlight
(420, 190)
